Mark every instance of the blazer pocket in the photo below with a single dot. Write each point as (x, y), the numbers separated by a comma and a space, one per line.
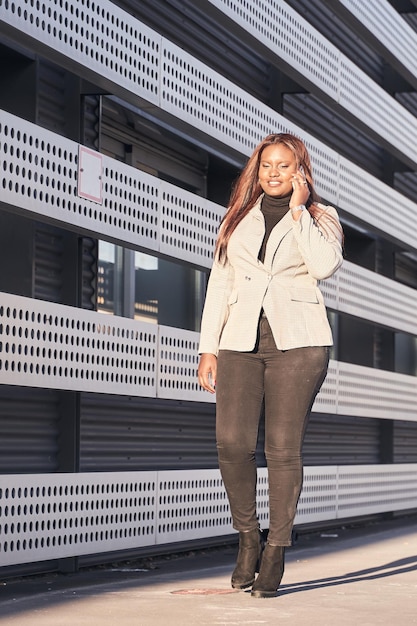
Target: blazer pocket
(232, 298)
(304, 294)
(230, 302)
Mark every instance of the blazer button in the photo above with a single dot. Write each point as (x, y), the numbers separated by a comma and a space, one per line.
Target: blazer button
(247, 278)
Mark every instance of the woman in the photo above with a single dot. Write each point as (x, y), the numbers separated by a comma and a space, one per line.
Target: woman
(265, 342)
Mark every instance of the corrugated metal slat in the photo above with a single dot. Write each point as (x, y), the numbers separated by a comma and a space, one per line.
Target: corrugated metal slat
(405, 442)
(209, 41)
(126, 433)
(28, 430)
(341, 440)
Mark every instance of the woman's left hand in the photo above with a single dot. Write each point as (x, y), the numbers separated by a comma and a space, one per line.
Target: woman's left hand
(301, 191)
(207, 372)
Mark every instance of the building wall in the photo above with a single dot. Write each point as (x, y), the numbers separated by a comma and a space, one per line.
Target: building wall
(100, 299)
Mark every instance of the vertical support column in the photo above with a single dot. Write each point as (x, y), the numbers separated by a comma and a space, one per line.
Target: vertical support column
(386, 441)
(279, 86)
(128, 283)
(68, 456)
(16, 254)
(386, 448)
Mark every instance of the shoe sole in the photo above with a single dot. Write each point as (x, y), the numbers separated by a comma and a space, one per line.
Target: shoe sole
(243, 585)
(264, 594)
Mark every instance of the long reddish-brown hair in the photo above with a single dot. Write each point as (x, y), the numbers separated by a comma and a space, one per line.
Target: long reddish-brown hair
(247, 188)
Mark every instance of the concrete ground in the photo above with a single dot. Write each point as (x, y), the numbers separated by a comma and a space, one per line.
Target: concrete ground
(343, 577)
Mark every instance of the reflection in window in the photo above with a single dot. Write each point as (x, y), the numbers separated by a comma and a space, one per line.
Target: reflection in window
(406, 354)
(168, 293)
(146, 298)
(106, 277)
(148, 288)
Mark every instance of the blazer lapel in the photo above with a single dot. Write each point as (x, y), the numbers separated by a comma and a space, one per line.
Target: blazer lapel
(254, 231)
(254, 226)
(275, 238)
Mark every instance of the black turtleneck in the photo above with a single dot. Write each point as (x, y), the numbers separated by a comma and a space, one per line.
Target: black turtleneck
(273, 210)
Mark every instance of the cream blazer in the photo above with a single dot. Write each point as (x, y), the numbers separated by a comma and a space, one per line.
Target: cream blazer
(298, 254)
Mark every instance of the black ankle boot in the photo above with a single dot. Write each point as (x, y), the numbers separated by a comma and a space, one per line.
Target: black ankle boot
(271, 572)
(250, 550)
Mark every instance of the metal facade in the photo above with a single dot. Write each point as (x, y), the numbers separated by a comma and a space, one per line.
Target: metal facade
(106, 439)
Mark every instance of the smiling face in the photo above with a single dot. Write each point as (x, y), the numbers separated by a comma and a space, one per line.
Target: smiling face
(277, 166)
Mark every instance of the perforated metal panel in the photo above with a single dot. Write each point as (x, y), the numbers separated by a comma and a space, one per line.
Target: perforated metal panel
(365, 391)
(364, 489)
(39, 175)
(293, 39)
(98, 35)
(130, 205)
(365, 294)
(188, 225)
(287, 33)
(371, 104)
(191, 27)
(330, 289)
(54, 346)
(332, 23)
(51, 516)
(178, 363)
(334, 129)
(43, 344)
(318, 499)
(326, 400)
(135, 58)
(191, 505)
(365, 197)
(203, 98)
(141, 210)
(385, 23)
(39, 172)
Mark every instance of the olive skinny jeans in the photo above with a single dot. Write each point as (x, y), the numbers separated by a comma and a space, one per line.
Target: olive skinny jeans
(286, 382)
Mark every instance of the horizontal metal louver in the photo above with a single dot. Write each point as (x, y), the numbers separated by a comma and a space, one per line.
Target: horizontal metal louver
(29, 423)
(126, 433)
(206, 39)
(341, 440)
(307, 111)
(129, 433)
(89, 270)
(405, 442)
(48, 263)
(406, 183)
(51, 97)
(58, 252)
(322, 16)
(126, 136)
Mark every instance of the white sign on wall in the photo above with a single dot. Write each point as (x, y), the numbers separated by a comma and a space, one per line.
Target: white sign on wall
(90, 167)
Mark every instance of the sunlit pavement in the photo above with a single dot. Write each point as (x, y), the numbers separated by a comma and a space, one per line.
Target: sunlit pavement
(346, 576)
